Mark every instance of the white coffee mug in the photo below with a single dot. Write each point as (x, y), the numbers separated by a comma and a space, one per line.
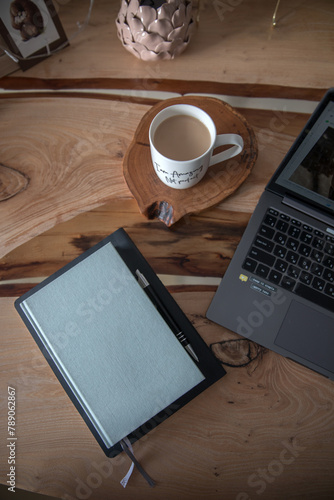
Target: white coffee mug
(182, 174)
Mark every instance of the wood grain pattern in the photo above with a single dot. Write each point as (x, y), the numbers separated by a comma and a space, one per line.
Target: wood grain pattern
(266, 430)
(163, 85)
(75, 169)
(201, 245)
(70, 151)
(12, 182)
(234, 43)
(157, 201)
(271, 410)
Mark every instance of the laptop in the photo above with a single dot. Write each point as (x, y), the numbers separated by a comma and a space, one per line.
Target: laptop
(278, 290)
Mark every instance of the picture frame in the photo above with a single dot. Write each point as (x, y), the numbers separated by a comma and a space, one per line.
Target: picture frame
(31, 30)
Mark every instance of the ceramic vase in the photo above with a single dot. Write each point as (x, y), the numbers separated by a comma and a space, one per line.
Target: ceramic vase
(154, 30)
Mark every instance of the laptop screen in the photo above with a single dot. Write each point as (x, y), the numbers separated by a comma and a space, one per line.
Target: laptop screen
(307, 172)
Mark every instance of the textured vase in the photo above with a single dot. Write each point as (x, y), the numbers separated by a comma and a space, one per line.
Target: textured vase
(156, 32)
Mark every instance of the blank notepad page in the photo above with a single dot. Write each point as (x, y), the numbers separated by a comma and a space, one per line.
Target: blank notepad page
(115, 351)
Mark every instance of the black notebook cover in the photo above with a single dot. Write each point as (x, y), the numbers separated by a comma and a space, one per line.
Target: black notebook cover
(117, 358)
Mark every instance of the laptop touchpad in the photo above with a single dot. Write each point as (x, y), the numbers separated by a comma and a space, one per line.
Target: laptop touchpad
(309, 334)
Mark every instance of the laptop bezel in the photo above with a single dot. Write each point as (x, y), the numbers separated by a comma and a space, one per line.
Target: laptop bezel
(283, 191)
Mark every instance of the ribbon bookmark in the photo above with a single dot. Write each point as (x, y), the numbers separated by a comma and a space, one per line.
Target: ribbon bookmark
(126, 446)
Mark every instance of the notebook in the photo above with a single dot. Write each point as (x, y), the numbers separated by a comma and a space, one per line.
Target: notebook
(279, 287)
(124, 364)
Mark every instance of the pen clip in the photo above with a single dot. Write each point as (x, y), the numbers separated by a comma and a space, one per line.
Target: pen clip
(141, 279)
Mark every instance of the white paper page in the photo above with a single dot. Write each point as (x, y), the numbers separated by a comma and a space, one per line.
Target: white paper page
(116, 352)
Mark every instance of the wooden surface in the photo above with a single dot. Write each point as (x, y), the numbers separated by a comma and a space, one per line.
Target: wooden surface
(234, 43)
(157, 201)
(80, 167)
(231, 435)
(266, 429)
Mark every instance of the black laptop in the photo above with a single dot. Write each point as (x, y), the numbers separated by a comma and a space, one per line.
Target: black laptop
(279, 287)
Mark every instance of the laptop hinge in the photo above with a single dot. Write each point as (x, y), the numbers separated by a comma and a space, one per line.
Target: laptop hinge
(307, 210)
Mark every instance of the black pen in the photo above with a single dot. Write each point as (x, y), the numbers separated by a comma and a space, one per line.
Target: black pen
(165, 314)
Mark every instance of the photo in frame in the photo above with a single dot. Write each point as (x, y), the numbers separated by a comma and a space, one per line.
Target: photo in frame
(31, 29)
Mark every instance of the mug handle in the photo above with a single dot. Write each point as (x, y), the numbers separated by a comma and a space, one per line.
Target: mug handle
(223, 140)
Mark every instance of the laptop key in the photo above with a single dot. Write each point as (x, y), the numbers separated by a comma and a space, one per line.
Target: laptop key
(306, 237)
(288, 283)
(317, 243)
(261, 256)
(281, 265)
(292, 244)
(318, 284)
(329, 289)
(328, 262)
(280, 238)
(274, 277)
(317, 256)
(264, 243)
(293, 272)
(304, 263)
(294, 231)
(249, 265)
(304, 250)
(328, 275)
(280, 251)
(292, 257)
(313, 295)
(329, 248)
(282, 226)
(262, 270)
(270, 220)
(266, 231)
(316, 269)
(306, 278)
(307, 228)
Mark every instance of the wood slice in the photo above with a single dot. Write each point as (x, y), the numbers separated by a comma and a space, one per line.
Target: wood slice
(154, 198)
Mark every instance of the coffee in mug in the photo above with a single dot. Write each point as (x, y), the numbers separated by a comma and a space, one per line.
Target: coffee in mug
(182, 139)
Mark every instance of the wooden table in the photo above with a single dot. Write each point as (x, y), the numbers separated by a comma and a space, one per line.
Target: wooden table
(266, 429)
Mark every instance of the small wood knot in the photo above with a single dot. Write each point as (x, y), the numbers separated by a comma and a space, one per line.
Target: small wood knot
(12, 182)
(161, 210)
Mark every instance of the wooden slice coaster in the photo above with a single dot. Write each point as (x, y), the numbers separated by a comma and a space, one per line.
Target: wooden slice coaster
(154, 198)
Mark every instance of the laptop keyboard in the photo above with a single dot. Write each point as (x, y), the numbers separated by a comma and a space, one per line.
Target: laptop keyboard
(295, 256)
